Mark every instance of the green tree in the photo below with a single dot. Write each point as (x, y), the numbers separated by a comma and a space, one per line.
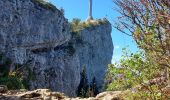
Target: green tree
(93, 88)
(83, 86)
(137, 73)
(148, 23)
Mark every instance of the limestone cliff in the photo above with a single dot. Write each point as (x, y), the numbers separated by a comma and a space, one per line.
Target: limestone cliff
(37, 34)
(94, 47)
(30, 34)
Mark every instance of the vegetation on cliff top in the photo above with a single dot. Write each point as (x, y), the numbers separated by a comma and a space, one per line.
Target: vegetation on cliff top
(78, 25)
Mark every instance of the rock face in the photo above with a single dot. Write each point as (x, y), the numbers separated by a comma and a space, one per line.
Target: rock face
(31, 34)
(36, 34)
(94, 47)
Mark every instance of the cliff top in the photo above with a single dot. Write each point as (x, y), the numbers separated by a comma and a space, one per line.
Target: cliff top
(45, 4)
(78, 25)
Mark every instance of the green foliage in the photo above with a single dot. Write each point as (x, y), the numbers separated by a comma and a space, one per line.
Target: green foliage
(133, 70)
(102, 21)
(29, 77)
(148, 22)
(83, 86)
(84, 89)
(144, 95)
(14, 79)
(12, 82)
(128, 70)
(77, 24)
(93, 90)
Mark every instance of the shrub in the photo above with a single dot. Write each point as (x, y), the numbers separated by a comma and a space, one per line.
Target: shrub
(12, 82)
(136, 72)
(102, 21)
(77, 24)
(14, 79)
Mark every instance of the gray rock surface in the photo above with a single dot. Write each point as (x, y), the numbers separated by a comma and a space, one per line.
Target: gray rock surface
(31, 33)
(95, 48)
(38, 35)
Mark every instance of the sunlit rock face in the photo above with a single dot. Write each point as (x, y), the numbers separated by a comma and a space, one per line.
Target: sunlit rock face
(32, 33)
(95, 48)
(37, 35)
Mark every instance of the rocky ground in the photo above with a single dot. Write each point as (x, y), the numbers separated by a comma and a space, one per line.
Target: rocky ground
(46, 94)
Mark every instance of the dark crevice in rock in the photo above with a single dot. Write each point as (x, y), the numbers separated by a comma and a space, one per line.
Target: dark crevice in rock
(67, 48)
(32, 95)
(40, 50)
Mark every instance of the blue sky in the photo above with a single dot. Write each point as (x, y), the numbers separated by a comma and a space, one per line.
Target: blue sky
(101, 9)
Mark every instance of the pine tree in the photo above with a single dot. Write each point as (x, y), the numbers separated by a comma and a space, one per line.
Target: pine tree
(93, 87)
(83, 86)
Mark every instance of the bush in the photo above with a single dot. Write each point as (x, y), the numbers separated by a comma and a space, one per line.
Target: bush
(12, 82)
(13, 79)
(77, 24)
(136, 72)
(102, 21)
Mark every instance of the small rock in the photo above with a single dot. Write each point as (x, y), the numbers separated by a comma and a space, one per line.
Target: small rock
(57, 95)
(47, 98)
(3, 89)
(110, 95)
